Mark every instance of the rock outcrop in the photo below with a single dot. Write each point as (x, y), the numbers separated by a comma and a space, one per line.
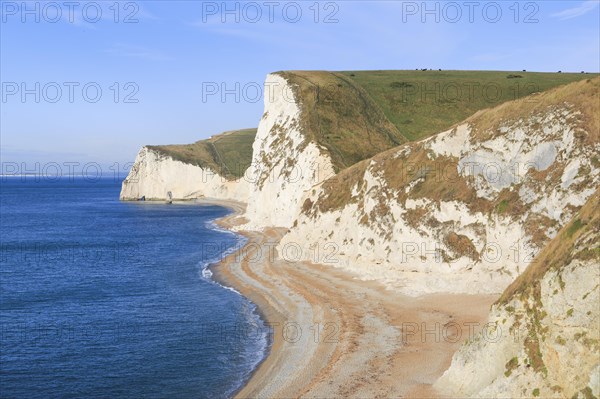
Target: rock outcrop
(212, 168)
(314, 125)
(542, 338)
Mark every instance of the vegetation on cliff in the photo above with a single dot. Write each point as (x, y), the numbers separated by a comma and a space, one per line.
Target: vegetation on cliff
(228, 154)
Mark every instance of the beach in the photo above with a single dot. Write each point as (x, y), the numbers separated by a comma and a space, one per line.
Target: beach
(334, 335)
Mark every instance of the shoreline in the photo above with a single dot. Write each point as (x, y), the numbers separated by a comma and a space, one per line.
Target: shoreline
(237, 209)
(334, 335)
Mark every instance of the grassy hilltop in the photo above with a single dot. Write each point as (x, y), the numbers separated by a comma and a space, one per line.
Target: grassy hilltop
(358, 114)
(228, 154)
(422, 103)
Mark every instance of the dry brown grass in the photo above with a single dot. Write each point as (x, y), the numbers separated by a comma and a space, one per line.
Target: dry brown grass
(583, 96)
(508, 203)
(537, 227)
(414, 217)
(341, 117)
(559, 252)
(350, 114)
(461, 245)
(338, 189)
(432, 179)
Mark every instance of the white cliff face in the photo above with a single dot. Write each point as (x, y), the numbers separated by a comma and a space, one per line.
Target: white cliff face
(541, 143)
(537, 345)
(284, 162)
(449, 246)
(153, 175)
(411, 260)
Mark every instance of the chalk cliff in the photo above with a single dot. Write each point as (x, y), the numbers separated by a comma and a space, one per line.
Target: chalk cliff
(285, 162)
(314, 125)
(154, 174)
(542, 338)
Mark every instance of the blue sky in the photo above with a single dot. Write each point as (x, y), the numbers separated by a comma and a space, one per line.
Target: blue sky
(169, 50)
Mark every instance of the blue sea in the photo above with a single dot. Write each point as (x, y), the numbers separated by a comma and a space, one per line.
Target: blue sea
(103, 299)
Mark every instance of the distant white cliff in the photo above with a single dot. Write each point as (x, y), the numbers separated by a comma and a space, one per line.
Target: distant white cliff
(153, 175)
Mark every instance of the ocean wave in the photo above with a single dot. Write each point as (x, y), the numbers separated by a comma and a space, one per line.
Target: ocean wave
(205, 271)
(259, 351)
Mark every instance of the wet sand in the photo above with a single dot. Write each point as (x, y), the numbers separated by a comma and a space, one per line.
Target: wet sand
(335, 336)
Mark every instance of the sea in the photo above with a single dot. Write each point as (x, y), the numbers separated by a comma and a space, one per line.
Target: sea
(101, 298)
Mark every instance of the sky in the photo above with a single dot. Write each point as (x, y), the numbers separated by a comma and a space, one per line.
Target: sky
(92, 82)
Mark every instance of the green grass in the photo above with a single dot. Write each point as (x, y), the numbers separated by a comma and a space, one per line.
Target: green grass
(423, 103)
(573, 227)
(228, 154)
(502, 207)
(511, 365)
(337, 192)
(355, 115)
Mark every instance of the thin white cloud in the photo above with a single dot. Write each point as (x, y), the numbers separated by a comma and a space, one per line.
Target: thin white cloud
(578, 11)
